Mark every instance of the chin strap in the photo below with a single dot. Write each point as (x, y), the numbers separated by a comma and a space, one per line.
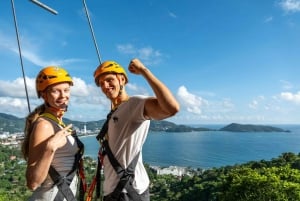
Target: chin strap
(59, 111)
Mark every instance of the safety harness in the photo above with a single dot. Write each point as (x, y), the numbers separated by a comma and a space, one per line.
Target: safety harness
(63, 182)
(126, 175)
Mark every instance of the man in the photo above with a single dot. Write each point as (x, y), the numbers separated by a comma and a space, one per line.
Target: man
(128, 127)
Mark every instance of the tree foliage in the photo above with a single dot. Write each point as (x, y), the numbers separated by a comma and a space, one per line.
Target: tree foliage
(274, 180)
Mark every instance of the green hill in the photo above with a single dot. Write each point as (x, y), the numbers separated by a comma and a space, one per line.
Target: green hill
(12, 124)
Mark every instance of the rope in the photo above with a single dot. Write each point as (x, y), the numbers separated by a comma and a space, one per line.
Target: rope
(20, 53)
(91, 28)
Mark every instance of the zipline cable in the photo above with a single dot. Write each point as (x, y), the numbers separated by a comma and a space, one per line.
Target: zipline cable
(44, 6)
(20, 53)
(91, 28)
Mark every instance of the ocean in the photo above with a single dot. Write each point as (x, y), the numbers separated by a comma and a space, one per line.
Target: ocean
(208, 149)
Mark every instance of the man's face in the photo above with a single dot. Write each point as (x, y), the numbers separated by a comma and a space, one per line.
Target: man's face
(110, 85)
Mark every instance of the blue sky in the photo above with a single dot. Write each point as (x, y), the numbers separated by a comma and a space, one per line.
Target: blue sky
(225, 61)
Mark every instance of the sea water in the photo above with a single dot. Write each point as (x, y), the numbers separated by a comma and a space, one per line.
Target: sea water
(208, 149)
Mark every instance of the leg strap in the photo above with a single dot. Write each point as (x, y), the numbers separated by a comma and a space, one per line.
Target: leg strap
(63, 185)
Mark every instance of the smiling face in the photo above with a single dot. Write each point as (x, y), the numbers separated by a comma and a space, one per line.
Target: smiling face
(57, 95)
(110, 85)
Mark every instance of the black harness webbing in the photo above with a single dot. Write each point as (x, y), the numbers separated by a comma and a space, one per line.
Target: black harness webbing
(63, 182)
(63, 185)
(126, 175)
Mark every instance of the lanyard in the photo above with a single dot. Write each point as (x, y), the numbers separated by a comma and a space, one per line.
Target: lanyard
(52, 117)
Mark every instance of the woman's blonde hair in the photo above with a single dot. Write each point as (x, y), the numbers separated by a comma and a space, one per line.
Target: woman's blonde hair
(29, 125)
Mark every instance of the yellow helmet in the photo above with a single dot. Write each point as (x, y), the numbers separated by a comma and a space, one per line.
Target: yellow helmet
(109, 67)
(51, 75)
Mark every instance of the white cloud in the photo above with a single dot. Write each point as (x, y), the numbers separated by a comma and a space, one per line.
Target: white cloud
(17, 106)
(268, 19)
(189, 101)
(31, 51)
(264, 110)
(227, 105)
(36, 59)
(80, 88)
(254, 104)
(127, 49)
(288, 96)
(147, 54)
(172, 15)
(290, 5)
(286, 85)
(16, 89)
(136, 89)
(15, 103)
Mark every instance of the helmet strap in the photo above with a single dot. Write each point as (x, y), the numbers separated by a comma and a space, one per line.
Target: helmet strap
(59, 111)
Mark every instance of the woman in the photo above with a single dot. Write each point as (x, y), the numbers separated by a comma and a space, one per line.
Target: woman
(53, 154)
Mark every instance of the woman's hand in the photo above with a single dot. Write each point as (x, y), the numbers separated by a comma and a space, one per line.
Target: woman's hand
(59, 139)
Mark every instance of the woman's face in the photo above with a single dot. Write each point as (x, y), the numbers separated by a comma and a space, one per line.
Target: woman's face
(58, 95)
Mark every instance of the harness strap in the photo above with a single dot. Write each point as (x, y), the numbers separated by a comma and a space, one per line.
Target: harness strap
(126, 176)
(97, 179)
(104, 128)
(96, 182)
(78, 165)
(63, 185)
(83, 185)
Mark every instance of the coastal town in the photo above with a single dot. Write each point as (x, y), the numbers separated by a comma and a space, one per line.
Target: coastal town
(15, 140)
(8, 139)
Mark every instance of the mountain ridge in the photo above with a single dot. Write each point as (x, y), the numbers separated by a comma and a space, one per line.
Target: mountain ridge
(12, 124)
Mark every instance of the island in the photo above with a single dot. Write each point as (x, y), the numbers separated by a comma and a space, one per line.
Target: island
(235, 127)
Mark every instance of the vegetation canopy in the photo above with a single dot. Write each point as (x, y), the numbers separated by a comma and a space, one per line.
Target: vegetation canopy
(276, 180)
